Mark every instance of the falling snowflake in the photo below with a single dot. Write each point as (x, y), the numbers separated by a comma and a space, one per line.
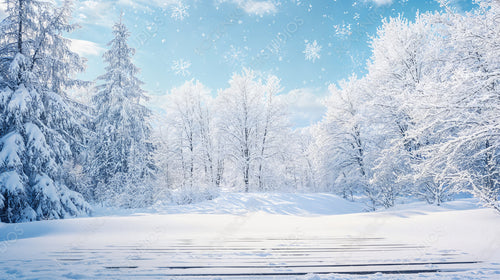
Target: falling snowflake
(235, 56)
(179, 11)
(181, 67)
(312, 51)
(343, 30)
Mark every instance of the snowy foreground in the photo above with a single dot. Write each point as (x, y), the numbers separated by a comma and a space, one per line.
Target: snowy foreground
(259, 236)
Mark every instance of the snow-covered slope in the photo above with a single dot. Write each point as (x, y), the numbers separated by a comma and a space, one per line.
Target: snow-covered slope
(244, 203)
(272, 203)
(278, 235)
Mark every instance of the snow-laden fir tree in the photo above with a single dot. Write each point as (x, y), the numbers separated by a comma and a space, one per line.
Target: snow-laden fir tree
(121, 165)
(39, 132)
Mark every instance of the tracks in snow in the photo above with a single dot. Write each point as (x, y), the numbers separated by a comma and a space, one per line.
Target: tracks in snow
(263, 257)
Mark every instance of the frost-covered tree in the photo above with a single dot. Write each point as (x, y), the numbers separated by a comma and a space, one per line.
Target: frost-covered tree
(434, 104)
(460, 105)
(192, 148)
(252, 124)
(478, 101)
(304, 160)
(240, 121)
(39, 133)
(401, 57)
(343, 140)
(121, 165)
(274, 153)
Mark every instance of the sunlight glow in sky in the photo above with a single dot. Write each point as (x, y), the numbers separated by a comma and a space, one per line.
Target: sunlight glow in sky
(307, 44)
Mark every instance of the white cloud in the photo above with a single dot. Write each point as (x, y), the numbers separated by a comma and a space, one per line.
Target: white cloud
(105, 13)
(86, 48)
(305, 105)
(253, 7)
(95, 12)
(259, 8)
(144, 3)
(381, 2)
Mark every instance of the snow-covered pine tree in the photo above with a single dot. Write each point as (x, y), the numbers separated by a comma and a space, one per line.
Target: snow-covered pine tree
(121, 164)
(38, 129)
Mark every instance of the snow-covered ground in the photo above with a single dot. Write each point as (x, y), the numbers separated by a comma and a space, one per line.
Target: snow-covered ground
(259, 236)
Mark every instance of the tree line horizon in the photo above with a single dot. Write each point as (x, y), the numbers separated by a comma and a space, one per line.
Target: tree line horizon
(422, 124)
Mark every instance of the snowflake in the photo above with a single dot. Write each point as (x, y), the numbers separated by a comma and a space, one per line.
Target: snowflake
(342, 31)
(179, 11)
(181, 67)
(312, 51)
(235, 56)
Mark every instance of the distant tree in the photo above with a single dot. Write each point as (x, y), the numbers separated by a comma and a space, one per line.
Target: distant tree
(240, 111)
(343, 140)
(304, 157)
(252, 125)
(39, 131)
(194, 158)
(274, 152)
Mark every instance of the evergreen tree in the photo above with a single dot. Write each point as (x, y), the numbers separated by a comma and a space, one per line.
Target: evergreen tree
(121, 164)
(39, 132)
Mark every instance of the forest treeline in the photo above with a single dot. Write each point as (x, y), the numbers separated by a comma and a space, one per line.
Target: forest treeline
(423, 123)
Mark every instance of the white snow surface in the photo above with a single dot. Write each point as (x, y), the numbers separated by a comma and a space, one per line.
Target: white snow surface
(244, 204)
(258, 233)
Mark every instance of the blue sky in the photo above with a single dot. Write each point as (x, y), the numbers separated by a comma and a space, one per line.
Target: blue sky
(211, 39)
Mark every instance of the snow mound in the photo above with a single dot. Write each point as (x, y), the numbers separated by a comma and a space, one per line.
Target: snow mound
(272, 203)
